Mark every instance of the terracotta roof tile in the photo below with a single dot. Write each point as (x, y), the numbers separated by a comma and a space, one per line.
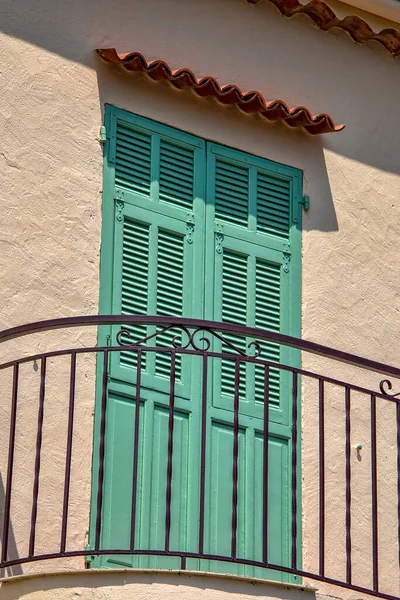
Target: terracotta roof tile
(324, 17)
(248, 102)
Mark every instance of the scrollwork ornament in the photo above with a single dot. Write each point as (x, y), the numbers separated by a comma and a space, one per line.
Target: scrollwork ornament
(189, 232)
(286, 262)
(189, 228)
(219, 238)
(385, 386)
(199, 340)
(192, 341)
(204, 340)
(119, 207)
(177, 339)
(257, 348)
(127, 333)
(119, 337)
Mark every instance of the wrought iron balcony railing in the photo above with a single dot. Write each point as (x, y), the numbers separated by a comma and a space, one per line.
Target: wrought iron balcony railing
(331, 417)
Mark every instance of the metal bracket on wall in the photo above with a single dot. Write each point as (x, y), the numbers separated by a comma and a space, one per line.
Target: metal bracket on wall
(102, 135)
(305, 202)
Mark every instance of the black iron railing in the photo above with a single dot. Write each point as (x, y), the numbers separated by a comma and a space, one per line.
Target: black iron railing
(343, 405)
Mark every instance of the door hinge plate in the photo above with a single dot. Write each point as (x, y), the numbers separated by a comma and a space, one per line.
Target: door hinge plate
(102, 135)
(305, 202)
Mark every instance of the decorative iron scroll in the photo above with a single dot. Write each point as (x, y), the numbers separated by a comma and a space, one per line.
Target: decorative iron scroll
(386, 385)
(193, 340)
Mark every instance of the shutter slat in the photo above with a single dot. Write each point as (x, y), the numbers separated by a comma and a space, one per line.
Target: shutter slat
(133, 137)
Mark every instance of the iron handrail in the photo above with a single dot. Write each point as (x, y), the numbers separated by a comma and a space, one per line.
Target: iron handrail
(195, 344)
(242, 330)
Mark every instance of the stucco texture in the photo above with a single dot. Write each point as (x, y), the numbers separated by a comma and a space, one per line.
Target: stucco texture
(107, 585)
(53, 92)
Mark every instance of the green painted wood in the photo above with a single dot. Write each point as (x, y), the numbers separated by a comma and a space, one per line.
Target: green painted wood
(195, 229)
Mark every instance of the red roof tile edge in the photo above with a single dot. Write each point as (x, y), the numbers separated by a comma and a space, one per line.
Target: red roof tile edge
(249, 102)
(324, 17)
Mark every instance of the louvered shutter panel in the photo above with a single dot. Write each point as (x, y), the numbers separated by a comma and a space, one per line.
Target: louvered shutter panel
(170, 293)
(234, 310)
(231, 192)
(176, 174)
(268, 316)
(243, 296)
(273, 205)
(135, 280)
(159, 238)
(252, 227)
(133, 159)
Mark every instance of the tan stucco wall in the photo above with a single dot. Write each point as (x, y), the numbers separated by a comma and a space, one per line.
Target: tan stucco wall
(53, 91)
(117, 583)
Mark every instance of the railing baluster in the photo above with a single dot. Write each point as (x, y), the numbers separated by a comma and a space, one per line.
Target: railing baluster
(374, 490)
(233, 554)
(203, 452)
(321, 395)
(235, 454)
(10, 465)
(348, 485)
(294, 469)
(136, 447)
(68, 456)
(265, 465)
(39, 437)
(168, 491)
(100, 475)
(398, 473)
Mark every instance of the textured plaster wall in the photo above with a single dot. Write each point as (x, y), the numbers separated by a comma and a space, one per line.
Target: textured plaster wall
(53, 91)
(110, 585)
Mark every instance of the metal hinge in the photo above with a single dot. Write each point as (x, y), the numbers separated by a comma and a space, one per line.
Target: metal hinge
(102, 135)
(305, 201)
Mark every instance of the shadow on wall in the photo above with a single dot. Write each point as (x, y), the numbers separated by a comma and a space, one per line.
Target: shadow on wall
(227, 125)
(328, 72)
(12, 547)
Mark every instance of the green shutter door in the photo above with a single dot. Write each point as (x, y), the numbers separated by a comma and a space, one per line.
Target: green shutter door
(225, 251)
(249, 218)
(158, 261)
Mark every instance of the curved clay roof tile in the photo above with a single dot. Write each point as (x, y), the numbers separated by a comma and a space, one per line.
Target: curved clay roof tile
(324, 17)
(248, 102)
